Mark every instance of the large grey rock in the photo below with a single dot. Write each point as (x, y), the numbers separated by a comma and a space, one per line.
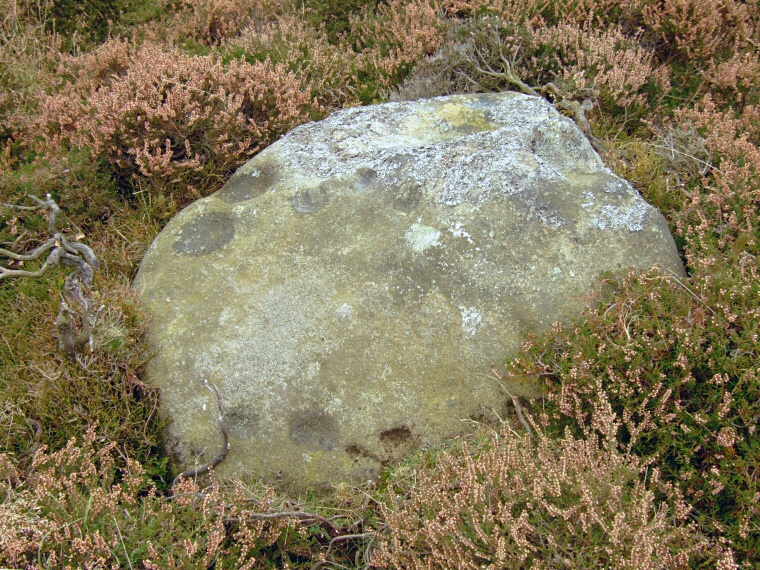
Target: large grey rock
(350, 287)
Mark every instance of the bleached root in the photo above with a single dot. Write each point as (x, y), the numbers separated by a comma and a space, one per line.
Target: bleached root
(77, 317)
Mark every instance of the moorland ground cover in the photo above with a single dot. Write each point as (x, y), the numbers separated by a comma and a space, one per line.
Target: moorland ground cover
(643, 452)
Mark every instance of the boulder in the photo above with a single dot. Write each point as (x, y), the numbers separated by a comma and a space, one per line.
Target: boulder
(349, 289)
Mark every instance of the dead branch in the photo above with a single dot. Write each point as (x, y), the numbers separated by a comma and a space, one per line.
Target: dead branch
(37, 432)
(296, 512)
(506, 74)
(340, 538)
(69, 340)
(48, 204)
(301, 516)
(191, 473)
(521, 416)
(578, 112)
(61, 250)
(517, 404)
(563, 102)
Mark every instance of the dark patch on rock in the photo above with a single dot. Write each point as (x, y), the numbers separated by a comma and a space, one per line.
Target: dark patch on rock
(314, 429)
(205, 234)
(310, 200)
(359, 452)
(467, 129)
(248, 185)
(396, 443)
(565, 140)
(397, 161)
(242, 421)
(413, 279)
(366, 178)
(396, 436)
(486, 101)
(407, 197)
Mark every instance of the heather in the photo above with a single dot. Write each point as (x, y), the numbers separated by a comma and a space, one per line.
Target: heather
(643, 451)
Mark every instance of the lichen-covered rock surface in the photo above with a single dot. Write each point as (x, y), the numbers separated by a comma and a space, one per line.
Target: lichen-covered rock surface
(350, 287)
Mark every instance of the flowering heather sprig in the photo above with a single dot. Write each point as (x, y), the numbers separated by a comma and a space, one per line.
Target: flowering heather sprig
(539, 13)
(169, 116)
(581, 61)
(604, 64)
(75, 509)
(210, 22)
(723, 218)
(287, 40)
(673, 362)
(578, 503)
(403, 32)
(736, 78)
(699, 30)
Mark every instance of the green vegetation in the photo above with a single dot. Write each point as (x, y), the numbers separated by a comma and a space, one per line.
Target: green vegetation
(644, 452)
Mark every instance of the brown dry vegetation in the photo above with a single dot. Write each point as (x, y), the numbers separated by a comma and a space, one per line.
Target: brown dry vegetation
(644, 452)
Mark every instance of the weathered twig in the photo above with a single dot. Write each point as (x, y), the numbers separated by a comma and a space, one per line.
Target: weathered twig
(578, 111)
(521, 416)
(302, 516)
(37, 432)
(191, 473)
(689, 291)
(340, 538)
(561, 101)
(69, 341)
(517, 404)
(296, 512)
(61, 250)
(48, 203)
(507, 73)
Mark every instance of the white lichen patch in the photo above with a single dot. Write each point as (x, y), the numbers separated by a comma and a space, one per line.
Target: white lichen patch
(612, 217)
(616, 185)
(345, 312)
(243, 211)
(226, 316)
(625, 208)
(457, 230)
(400, 141)
(420, 237)
(472, 320)
(550, 219)
(312, 370)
